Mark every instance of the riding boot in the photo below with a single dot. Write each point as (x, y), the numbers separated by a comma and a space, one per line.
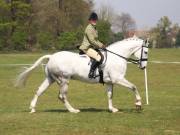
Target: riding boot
(94, 65)
(101, 77)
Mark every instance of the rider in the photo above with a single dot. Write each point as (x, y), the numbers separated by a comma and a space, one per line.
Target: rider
(91, 42)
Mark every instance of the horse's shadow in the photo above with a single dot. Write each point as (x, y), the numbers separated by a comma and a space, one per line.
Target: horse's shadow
(56, 110)
(95, 110)
(81, 110)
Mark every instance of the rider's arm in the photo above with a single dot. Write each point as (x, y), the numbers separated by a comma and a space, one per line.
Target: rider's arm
(90, 33)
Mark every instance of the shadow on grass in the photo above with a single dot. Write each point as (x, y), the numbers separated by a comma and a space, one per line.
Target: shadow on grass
(81, 110)
(131, 110)
(52, 110)
(57, 110)
(94, 110)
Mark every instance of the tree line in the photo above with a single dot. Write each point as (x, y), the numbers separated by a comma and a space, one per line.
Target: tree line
(33, 25)
(42, 24)
(165, 34)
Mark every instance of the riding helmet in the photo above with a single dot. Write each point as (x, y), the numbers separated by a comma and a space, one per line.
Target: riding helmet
(93, 16)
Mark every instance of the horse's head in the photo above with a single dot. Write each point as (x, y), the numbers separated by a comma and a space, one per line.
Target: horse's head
(131, 46)
(142, 54)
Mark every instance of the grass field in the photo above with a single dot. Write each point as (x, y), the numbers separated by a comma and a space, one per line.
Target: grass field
(161, 117)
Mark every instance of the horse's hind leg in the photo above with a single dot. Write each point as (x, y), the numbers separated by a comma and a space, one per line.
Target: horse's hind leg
(46, 83)
(63, 95)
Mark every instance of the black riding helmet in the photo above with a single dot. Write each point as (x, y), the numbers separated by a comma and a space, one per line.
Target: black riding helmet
(93, 16)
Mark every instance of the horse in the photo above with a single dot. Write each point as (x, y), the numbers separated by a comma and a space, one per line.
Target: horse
(65, 65)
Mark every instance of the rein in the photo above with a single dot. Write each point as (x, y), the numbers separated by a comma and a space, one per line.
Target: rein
(134, 61)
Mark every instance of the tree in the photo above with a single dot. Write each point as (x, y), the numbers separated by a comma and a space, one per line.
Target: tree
(161, 34)
(117, 37)
(19, 40)
(106, 13)
(14, 16)
(67, 41)
(120, 25)
(177, 43)
(104, 30)
(174, 34)
(164, 26)
(60, 16)
(123, 23)
(5, 24)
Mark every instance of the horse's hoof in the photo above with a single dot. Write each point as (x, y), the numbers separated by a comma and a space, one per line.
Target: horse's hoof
(32, 111)
(138, 107)
(75, 111)
(114, 110)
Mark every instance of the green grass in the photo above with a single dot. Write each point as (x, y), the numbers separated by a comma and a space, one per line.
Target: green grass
(161, 117)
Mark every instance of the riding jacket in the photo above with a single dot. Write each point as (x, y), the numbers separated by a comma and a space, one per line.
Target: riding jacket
(90, 39)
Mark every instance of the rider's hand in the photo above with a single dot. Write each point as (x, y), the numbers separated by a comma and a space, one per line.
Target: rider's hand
(104, 47)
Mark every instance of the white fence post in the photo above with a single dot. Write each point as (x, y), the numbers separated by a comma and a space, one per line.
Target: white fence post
(146, 86)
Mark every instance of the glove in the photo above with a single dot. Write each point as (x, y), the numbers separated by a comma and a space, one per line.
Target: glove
(104, 47)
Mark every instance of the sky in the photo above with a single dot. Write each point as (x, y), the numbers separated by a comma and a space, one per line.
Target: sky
(146, 13)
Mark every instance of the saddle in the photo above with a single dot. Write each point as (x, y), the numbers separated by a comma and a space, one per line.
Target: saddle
(99, 68)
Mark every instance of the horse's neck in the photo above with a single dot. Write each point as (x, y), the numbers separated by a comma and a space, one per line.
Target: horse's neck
(123, 50)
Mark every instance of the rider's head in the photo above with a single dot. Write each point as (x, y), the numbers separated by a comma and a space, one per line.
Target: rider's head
(93, 18)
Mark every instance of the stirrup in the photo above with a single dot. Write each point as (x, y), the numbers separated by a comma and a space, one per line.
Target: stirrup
(91, 74)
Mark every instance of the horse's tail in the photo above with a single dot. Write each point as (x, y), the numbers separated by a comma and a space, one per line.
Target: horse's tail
(21, 79)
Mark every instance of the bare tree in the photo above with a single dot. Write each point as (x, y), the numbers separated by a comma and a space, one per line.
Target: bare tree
(106, 13)
(123, 23)
(58, 16)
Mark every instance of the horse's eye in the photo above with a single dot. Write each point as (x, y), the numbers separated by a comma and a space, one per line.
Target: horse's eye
(146, 52)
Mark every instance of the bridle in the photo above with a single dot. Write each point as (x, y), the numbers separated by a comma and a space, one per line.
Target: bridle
(134, 61)
(142, 59)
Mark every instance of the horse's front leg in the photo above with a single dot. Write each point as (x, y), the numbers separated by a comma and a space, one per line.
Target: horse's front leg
(110, 96)
(132, 87)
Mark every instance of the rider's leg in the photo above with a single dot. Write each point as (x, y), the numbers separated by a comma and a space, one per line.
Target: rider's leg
(97, 58)
(94, 65)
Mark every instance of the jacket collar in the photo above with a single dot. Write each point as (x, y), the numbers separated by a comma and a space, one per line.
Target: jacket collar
(94, 26)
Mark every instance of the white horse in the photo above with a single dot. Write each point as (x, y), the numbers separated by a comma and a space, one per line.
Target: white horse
(63, 66)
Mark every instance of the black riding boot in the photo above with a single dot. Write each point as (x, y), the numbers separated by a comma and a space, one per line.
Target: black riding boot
(94, 65)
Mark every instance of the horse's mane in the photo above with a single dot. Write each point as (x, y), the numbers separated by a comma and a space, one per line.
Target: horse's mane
(125, 42)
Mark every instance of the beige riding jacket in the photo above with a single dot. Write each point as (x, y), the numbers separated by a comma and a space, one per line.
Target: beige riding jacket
(90, 39)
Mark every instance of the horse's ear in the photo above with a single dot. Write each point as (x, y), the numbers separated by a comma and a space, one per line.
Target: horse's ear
(146, 42)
